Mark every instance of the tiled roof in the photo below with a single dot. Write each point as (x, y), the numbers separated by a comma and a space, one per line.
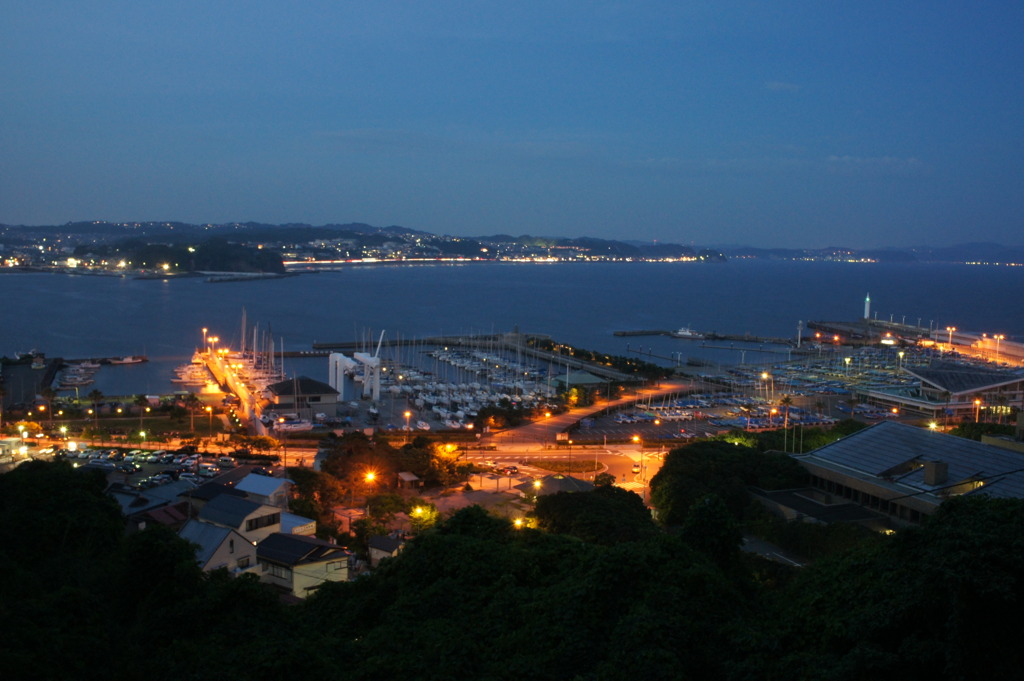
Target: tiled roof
(206, 536)
(228, 510)
(295, 549)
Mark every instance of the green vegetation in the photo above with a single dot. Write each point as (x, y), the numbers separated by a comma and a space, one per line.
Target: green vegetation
(599, 593)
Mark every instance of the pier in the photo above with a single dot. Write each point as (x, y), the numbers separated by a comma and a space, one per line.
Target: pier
(712, 336)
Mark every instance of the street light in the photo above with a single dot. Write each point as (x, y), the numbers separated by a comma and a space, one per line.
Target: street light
(977, 409)
(407, 415)
(950, 329)
(998, 337)
(899, 364)
(204, 336)
(848, 360)
(209, 411)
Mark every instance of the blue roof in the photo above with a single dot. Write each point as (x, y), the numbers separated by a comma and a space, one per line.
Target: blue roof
(206, 536)
(228, 510)
(262, 485)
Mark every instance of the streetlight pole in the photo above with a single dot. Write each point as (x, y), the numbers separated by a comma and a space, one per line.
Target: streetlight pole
(977, 409)
(950, 329)
(998, 338)
(407, 415)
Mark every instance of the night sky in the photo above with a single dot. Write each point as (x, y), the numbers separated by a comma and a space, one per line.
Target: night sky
(860, 123)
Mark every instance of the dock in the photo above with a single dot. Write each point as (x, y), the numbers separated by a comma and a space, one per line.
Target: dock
(712, 336)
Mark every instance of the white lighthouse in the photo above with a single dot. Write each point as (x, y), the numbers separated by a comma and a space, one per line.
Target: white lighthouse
(867, 306)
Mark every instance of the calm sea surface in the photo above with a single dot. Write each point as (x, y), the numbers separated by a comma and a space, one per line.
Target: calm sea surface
(88, 316)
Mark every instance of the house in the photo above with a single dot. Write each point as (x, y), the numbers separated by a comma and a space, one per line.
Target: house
(298, 565)
(302, 395)
(297, 524)
(219, 547)
(200, 496)
(252, 520)
(266, 490)
(136, 504)
(384, 546)
(904, 472)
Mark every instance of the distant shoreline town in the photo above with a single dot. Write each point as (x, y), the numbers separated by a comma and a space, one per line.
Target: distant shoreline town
(164, 249)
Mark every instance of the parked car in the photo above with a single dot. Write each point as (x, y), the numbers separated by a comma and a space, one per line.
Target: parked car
(208, 470)
(510, 470)
(129, 467)
(226, 462)
(263, 470)
(191, 477)
(103, 465)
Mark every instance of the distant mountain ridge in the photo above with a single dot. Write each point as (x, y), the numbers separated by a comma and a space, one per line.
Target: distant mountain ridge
(363, 236)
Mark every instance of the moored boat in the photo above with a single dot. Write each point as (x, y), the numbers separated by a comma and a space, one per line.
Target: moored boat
(129, 359)
(687, 333)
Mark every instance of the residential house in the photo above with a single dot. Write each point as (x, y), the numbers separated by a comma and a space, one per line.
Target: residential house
(384, 546)
(266, 489)
(298, 565)
(252, 520)
(219, 547)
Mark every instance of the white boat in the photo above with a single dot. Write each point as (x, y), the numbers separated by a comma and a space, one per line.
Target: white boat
(422, 425)
(688, 333)
(294, 426)
(129, 359)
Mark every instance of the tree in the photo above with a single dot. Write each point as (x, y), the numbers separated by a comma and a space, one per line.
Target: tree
(192, 402)
(786, 402)
(142, 402)
(604, 515)
(95, 398)
(712, 530)
(49, 395)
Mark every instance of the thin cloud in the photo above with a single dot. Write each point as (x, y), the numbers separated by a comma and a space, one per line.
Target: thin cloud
(781, 86)
(875, 164)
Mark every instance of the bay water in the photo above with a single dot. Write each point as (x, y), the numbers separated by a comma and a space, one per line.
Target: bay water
(74, 316)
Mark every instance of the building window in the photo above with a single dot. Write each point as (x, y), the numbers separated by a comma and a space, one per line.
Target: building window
(279, 571)
(231, 546)
(243, 562)
(262, 521)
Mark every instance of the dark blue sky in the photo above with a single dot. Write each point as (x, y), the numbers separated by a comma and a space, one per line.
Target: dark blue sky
(859, 123)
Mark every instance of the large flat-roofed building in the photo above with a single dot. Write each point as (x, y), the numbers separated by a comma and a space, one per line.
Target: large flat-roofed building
(905, 472)
(954, 391)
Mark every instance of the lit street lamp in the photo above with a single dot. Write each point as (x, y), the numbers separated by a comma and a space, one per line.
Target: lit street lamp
(998, 337)
(950, 329)
(407, 415)
(977, 409)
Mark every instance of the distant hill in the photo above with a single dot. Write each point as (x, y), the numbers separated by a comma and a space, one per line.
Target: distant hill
(362, 240)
